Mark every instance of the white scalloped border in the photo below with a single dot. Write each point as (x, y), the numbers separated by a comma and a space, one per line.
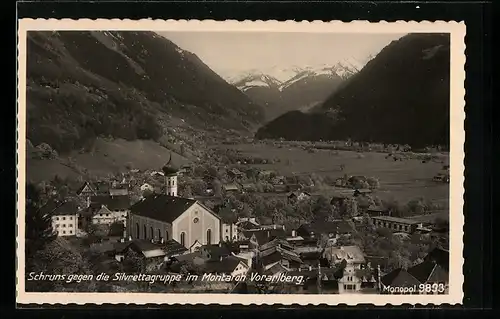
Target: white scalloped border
(457, 31)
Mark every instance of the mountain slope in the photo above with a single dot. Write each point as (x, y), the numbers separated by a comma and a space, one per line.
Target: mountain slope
(125, 85)
(400, 96)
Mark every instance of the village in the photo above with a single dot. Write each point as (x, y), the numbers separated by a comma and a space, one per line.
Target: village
(250, 224)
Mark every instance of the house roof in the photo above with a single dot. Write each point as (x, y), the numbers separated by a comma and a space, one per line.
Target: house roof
(231, 187)
(276, 269)
(118, 191)
(375, 261)
(348, 253)
(265, 235)
(333, 227)
(225, 266)
(396, 220)
(55, 208)
(173, 247)
(399, 278)
(117, 202)
(188, 257)
(276, 242)
(83, 186)
(216, 251)
(426, 269)
(162, 207)
(276, 253)
(440, 256)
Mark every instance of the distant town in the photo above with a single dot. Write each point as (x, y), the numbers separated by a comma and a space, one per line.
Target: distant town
(160, 222)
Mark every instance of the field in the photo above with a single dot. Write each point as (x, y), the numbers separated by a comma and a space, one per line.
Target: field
(109, 156)
(400, 180)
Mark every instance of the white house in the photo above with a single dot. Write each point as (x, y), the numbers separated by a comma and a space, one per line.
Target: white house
(109, 209)
(64, 217)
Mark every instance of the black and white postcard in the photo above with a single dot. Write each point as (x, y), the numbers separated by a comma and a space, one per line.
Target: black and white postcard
(172, 162)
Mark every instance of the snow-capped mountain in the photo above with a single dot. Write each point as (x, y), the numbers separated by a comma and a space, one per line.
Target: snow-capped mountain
(294, 88)
(257, 80)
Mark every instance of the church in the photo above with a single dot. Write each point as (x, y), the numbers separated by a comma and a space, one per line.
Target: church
(161, 217)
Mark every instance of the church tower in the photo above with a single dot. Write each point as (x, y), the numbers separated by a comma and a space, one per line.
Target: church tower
(170, 178)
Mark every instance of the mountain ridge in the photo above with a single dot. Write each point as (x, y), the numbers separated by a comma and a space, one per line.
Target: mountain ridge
(409, 106)
(83, 84)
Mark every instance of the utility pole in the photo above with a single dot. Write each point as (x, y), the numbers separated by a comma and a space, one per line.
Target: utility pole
(319, 278)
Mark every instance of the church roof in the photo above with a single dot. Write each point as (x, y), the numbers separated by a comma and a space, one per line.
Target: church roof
(169, 169)
(162, 207)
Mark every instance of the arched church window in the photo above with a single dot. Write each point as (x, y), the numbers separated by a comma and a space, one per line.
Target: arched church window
(159, 234)
(166, 234)
(152, 236)
(144, 234)
(183, 239)
(137, 230)
(209, 236)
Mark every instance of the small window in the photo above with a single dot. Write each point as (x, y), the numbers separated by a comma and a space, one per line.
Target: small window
(57, 225)
(63, 225)
(70, 225)
(71, 232)
(227, 230)
(64, 218)
(64, 232)
(57, 218)
(71, 218)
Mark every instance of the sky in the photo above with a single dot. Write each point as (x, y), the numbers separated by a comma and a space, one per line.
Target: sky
(231, 53)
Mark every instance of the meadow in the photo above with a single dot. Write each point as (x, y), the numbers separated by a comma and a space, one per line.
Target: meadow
(401, 180)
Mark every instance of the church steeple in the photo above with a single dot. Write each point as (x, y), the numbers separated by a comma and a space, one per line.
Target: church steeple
(170, 177)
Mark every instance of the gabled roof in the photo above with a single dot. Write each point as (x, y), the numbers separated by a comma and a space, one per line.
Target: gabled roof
(225, 266)
(85, 185)
(440, 256)
(348, 253)
(162, 207)
(427, 270)
(55, 208)
(399, 278)
(113, 203)
(173, 247)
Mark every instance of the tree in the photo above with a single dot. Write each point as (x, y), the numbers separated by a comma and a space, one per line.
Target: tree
(39, 231)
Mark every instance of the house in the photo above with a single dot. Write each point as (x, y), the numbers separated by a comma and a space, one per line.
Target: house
(278, 254)
(247, 223)
(280, 188)
(351, 254)
(235, 173)
(432, 270)
(86, 190)
(293, 187)
(374, 211)
(230, 265)
(119, 191)
(396, 224)
(377, 262)
(167, 217)
(278, 180)
(64, 217)
(353, 280)
(298, 196)
(262, 236)
(107, 209)
(396, 281)
(339, 198)
(231, 188)
(101, 188)
(267, 174)
(229, 230)
(214, 252)
(332, 229)
(248, 188)
(151, 252)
